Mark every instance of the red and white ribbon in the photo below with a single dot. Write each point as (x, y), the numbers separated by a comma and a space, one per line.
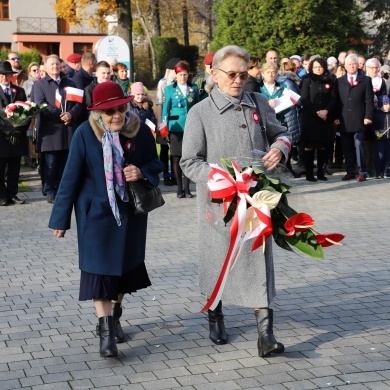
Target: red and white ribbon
(224, 186)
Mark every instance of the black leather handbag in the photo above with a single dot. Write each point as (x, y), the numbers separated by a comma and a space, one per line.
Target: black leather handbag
(144, 197)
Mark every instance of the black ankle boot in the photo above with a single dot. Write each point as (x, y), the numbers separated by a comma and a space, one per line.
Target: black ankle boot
(107, 337)
(117, 313)
(217, 326)
(267, 343)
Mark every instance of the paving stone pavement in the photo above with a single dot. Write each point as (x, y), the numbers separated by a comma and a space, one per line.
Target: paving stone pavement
(332, 315)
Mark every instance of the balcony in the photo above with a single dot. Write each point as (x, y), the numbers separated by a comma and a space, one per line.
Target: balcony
(51, 26)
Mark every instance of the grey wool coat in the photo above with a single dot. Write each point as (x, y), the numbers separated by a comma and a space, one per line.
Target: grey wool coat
(217, 128)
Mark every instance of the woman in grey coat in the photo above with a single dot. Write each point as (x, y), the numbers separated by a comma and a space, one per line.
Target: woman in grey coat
(225, 125)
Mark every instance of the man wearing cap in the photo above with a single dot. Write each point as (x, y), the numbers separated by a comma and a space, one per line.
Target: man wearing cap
(73, 64)
(201, 79)
(20, 75)
(11, 149)
(169, 78)
(56, 124)
(300, 70)
(332, 62)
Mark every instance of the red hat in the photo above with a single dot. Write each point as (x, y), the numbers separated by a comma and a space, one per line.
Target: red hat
(208, 60)
(108, 95)
(74, 57)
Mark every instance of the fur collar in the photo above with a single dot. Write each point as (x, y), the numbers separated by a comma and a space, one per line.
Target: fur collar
(293, 76)
(130, 131)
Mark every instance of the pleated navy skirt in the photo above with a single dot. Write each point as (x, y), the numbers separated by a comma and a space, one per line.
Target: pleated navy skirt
(93, 286)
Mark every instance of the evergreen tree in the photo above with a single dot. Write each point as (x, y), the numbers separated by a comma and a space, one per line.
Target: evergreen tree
(379, 11)
(290, 26)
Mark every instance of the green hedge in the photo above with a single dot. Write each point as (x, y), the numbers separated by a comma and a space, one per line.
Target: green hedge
(26, 57)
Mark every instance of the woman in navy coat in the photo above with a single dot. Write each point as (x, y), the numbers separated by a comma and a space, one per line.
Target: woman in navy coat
(111, 238)
(179, 97)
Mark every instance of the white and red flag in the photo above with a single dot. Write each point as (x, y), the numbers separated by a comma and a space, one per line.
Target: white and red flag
(58, 99)
(74, 94)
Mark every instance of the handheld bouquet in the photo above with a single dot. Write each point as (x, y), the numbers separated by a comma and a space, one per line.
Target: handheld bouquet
(18, 114)
(256, 207)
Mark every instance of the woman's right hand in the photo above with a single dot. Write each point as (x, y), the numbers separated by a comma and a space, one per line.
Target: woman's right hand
(272, 102)
(58, 233)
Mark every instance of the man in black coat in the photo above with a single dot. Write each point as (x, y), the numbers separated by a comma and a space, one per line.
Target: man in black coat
(356, 108)
(56, 124)
(83, 78)
(13, 140)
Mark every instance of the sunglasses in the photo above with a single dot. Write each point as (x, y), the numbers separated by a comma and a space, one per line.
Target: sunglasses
(15, 58)
(112, 111)
(233, 75)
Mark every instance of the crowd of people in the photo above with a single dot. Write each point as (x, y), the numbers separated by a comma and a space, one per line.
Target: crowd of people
(96, 134)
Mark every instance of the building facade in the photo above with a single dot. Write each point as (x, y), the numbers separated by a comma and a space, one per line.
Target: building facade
(26, 24)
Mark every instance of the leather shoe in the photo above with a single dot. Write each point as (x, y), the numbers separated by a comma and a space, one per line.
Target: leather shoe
(361, 178)
(3, 202)
(15, 200)
(181, 195)
(189, 195)
(347, 177)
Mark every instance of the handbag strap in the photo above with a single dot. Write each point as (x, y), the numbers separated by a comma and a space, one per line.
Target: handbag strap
(261, 123)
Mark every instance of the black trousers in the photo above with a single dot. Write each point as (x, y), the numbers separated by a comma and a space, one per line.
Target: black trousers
(9, 186)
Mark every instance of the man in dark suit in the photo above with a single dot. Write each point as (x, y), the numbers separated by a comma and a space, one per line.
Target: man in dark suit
(13, 141)
(56, 124)
(356, 107)
(83, 78)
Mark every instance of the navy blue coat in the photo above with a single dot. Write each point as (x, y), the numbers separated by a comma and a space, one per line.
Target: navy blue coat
(104, 247)
(53, 135)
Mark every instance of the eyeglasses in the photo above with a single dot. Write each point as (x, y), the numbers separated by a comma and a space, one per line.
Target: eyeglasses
(112, 111)
(233, 75)
(15, 58)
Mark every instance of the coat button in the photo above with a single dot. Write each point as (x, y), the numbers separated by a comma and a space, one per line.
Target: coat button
(239, 109)
(243, 126)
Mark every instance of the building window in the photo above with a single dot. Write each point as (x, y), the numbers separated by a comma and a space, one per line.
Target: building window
(4, 9)
(82, 47)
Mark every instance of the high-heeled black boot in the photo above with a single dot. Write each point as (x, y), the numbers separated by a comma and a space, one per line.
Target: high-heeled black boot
(117, 313)
(217, 326)
(267, 343)
(108, 346)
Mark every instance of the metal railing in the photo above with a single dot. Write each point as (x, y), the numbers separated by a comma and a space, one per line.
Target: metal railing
(50, 26)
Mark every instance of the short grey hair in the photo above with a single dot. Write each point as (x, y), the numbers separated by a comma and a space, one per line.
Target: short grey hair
(351, 57)
(230, 51)
(222, 54)
(95, 114)
(373, 62)
(51, 56)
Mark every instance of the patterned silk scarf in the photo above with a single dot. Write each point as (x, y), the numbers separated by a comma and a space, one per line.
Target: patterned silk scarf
(113, 165)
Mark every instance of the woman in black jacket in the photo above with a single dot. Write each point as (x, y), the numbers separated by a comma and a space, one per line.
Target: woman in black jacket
(319, 99)
(252, 83)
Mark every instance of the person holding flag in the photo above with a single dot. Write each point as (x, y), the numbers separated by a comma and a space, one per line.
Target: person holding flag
(57, 123)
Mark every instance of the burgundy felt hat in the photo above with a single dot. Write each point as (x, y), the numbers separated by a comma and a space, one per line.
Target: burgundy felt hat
(74, 57)
(108, 95)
